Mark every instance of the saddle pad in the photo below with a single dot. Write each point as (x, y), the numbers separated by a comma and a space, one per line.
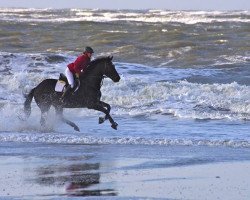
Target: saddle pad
(59, 86)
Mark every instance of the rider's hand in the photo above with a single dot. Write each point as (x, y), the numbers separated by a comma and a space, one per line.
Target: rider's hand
(77, 81)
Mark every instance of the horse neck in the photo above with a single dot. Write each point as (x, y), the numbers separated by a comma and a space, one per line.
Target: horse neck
(94, 76)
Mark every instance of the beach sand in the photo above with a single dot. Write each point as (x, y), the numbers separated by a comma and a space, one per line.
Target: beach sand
(208, 181)
(47, 173)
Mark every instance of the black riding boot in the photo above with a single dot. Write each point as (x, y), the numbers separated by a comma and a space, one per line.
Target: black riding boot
(66, 93)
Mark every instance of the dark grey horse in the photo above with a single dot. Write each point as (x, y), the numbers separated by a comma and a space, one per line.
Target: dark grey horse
(87, 96)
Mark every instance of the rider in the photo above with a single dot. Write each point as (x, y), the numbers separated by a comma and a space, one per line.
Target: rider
(75, 68)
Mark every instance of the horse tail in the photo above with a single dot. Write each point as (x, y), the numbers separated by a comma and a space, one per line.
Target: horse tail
(27, 103)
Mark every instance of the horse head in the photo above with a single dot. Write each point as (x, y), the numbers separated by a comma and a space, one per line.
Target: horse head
(109, 69)
(100, 67)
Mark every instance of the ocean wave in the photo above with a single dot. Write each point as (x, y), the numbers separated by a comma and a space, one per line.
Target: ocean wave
(181, 99)
(54, 138)
(96, 15)
(143, 90)
(21, 72)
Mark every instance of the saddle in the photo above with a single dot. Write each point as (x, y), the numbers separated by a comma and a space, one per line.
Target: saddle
(62, 83)
(62, 77)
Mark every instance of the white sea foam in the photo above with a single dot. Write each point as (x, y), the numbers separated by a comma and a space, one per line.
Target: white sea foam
(181, 99)
(152, 16)
(142, 90)
(55, 138)
(225, 59)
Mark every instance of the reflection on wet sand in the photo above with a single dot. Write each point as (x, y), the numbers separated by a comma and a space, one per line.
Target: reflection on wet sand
(75, 178)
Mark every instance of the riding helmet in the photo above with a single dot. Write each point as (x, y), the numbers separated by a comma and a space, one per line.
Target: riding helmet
(89, 50)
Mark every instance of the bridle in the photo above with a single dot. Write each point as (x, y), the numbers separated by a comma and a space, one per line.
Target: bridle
(104, 76)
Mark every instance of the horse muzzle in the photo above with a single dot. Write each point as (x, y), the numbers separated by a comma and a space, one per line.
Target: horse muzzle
(117, 79)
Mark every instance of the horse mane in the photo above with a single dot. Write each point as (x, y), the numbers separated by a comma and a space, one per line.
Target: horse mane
(94, 63)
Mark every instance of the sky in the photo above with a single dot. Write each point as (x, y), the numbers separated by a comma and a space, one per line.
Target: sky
(132, 4)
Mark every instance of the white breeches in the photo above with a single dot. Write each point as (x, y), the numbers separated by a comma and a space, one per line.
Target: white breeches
(70, 77)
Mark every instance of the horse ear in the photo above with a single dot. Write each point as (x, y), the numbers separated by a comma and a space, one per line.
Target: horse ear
(111, 57)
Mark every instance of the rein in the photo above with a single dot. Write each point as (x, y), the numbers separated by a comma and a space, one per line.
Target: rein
(104, 76)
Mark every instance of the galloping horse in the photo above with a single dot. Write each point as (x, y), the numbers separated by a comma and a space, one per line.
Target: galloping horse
(87, 96)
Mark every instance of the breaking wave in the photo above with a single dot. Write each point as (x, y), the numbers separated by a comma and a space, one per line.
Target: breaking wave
(54, 138)
(143, 90)
(96, 15)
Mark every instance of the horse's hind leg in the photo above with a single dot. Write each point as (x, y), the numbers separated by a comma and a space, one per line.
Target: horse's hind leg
(59, 113)
(43, 120)
(44, 112)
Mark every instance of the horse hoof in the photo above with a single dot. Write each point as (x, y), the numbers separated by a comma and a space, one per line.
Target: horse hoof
(77, 129)
(114, 126)
(101, 120)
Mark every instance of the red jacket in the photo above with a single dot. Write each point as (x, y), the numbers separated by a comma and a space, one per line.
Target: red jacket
(80, 64)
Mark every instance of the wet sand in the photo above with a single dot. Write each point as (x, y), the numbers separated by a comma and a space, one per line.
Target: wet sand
(94, 171)
(208, 181)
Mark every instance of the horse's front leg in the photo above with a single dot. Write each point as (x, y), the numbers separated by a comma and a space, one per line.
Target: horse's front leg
(103, 104)
(99, 107)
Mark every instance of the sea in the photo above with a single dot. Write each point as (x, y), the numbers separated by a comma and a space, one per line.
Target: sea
(183, 97)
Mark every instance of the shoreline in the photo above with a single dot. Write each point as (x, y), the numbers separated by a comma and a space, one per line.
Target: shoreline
(41, 171)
